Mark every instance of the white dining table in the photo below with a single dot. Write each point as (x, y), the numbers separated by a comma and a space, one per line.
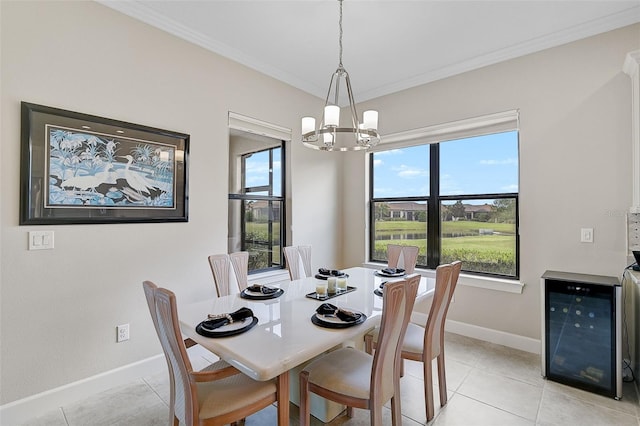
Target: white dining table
(284, 336)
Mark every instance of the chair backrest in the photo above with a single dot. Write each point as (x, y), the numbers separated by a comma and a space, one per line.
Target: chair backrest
(434, 330)
(298, 261)
(402, 257)
(220, 264)
(240, 262)
(185, 404)
(398, 300)
(305, 256)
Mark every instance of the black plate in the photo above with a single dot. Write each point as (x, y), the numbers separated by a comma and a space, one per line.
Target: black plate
(227, 330)
(335, 322)
(382, 274)
(326, 277)
(314, 296)
(246, 294)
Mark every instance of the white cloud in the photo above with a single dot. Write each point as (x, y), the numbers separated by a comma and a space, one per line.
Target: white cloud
(506, 161)
(510, 188)
(377, 163)
(408, 172)
(389, 152)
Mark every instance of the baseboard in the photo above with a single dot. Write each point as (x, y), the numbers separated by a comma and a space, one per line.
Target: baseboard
(20, 411)
(494, 336)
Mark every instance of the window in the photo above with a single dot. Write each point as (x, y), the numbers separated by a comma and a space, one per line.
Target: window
(454, 198)
(256, 197)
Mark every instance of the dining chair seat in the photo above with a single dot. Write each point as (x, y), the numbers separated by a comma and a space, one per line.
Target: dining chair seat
(346, 371)
(413, 338)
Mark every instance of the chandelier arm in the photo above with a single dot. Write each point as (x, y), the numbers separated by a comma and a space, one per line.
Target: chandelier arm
(355, 123)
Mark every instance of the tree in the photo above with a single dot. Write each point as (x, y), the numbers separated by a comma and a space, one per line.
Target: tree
(457, 210)
(381, 211)
(505, 210)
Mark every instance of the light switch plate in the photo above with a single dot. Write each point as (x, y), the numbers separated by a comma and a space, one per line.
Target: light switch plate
(40, 240)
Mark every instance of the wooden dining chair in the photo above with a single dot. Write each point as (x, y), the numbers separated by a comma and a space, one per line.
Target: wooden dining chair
(402, 257)
(357, 379)
(427, 343)
(216, 397)
(240, 263)
(298, 261)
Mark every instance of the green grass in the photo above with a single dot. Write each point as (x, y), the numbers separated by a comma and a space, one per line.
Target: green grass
(460, 226)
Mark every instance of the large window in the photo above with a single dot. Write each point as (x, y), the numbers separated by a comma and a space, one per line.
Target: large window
(256, 199)
(456, 199)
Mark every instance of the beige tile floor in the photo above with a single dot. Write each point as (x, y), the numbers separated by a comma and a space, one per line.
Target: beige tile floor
(488, 385)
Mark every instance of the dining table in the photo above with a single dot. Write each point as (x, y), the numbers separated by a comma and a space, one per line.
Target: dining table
(284, 336)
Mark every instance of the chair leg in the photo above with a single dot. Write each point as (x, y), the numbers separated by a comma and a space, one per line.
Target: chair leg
(442, 380)
(428, 389)
(176, 422)
(402, 367)
(349, 411)
(396, 411)
(368, 344)
(376, 415)
(304, 399)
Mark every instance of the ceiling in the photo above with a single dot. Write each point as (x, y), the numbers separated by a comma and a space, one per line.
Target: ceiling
(387, 45)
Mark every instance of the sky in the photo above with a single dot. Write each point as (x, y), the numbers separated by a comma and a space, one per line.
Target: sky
(479, 165)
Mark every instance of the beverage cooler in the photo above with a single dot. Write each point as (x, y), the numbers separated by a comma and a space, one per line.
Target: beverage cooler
(581, 344)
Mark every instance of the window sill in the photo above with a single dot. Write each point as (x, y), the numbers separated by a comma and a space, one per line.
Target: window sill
(488, 283)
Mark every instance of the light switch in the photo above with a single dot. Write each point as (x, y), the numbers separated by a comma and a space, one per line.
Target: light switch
(40, 240)
(586, 235)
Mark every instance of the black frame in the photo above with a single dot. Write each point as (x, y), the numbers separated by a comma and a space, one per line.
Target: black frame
(433, 211)
(47, 199)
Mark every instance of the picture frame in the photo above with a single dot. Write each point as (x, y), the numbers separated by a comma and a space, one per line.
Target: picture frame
(78, 168)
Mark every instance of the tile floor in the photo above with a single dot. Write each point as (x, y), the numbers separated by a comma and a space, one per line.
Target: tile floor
(488, 385)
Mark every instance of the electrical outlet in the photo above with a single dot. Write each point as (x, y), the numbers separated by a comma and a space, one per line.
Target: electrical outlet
(586, 235)
(122, 333)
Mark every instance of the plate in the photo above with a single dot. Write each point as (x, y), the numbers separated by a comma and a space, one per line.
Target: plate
(335, 322)
(378, 292)
(314, 295)
(227, 330)
(324, 277)
(248, 294)
(397, 274)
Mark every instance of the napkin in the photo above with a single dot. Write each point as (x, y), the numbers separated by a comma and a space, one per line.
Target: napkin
(259, 288)
(344, 314)
(218, 320)
(392, 271)
(332, 272)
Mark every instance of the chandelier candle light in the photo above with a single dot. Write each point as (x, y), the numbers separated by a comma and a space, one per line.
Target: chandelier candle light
(326, 137)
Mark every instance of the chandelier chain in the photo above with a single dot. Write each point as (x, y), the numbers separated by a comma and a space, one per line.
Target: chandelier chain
(340, 39)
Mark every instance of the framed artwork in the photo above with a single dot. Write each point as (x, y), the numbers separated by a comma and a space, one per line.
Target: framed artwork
(79, 168)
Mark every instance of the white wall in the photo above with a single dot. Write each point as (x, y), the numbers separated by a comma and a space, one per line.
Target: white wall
(59, 308)
(575, 164)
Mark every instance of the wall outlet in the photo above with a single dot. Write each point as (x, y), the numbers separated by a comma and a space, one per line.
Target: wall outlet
(122, 333)
(586, 235)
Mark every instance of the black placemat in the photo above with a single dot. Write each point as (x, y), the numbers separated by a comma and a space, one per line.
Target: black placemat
(318, 320)
(245, 294)
(314, 295)
(225, 330)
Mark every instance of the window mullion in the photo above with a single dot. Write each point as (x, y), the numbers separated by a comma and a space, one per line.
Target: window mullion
(433, 210)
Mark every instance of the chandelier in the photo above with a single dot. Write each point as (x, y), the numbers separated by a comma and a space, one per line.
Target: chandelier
(329, 136)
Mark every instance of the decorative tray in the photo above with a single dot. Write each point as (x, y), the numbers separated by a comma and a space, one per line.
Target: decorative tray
(227, 330)
(315, 296)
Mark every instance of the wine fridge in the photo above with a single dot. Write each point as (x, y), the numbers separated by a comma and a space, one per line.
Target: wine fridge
(581, 344)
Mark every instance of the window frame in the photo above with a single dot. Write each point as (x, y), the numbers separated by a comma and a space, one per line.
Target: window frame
(434, 136)
(276, 133)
